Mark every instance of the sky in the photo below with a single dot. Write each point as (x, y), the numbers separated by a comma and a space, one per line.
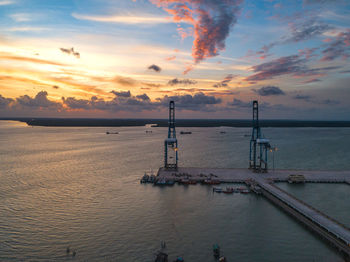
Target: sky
(129, 58)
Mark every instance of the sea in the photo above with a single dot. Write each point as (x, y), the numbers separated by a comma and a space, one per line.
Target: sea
(79, 187)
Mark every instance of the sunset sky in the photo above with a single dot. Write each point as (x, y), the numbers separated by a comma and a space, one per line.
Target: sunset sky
(128, 58)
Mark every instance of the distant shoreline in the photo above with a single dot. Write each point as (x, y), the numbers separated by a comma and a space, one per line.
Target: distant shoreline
(84, 122)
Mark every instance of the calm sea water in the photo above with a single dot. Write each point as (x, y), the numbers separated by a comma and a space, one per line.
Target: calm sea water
(79, 187)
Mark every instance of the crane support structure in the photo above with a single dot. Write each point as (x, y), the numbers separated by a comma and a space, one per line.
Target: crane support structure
(170, 144)
(258, 145)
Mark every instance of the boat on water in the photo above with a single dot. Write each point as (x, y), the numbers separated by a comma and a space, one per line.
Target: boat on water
(170, 182)
(185, 132)
(179, 259)
(145, 179)
(211, 181)
(152, 178)
(245, 191)
(160, 182)
(161, 257)
(228, 190)
(216, 250)
(164, 182)
(187, 181)
(217, 189)
(109, 133)
(148, 177)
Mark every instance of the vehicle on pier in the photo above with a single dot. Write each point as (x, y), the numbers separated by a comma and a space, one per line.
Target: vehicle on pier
(296, 179)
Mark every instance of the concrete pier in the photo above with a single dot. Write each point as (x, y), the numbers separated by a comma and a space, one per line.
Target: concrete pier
(329, 229)
(333, 231)
(235, 175)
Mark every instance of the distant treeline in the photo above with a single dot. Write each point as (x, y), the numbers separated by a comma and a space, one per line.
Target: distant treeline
(179, 122)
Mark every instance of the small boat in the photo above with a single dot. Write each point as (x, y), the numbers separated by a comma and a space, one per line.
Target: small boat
(245, 191)
(144, 179)
(216, 250)
(179, 259)
(152, 178)
(184, 181)
(222, 259)
(211, 182)
(222, 132)
(187, 181)
(217, 189)
(161, 182)
(185, 132)
(170, 182)
(228, 190)
(161, 257)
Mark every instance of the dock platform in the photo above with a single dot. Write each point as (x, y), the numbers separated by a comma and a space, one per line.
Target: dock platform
(328, 228)
(240, 175)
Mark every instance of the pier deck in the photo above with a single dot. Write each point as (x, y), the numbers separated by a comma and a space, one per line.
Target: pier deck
(333, 231)
(242, 174)
(330, 229)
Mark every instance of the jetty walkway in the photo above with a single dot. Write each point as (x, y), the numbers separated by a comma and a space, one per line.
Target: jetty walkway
(328, 228)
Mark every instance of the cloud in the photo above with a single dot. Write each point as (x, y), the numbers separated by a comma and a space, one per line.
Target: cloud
(240, 104)
(130, 19)
(333, 2)
(123, 101)
(143, 97)
(302, 97)
(329, 102)
(170, 58)
(313, 80)
(269, 91)
(6, 2)
(185, 82)
(225, 82)
(340, 47)
(284, 65)
(21, 17)
(197, 102)
(26, 29)
(211, 20)
(73, 103)
(307, 30)
(70, 51)
(39, 101)
(5, 102)
(124, 81)
(294, 65)
(303, 31)
(155, 68)
(122, 93)
(7, 56)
